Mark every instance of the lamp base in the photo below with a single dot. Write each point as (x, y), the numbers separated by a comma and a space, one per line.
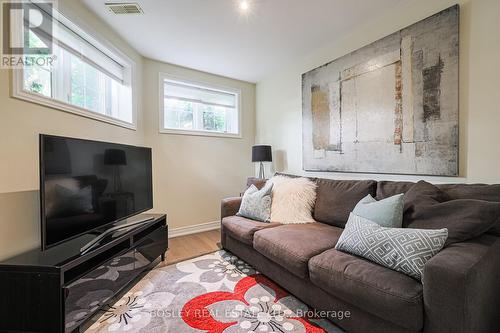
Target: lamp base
(261, 171)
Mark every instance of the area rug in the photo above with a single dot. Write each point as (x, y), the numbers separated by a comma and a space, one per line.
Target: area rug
(213, 293)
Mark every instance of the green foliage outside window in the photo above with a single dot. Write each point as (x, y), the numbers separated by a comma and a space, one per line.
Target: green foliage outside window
(84, 85)
(37, 78)
(36, 87)
(213, 120)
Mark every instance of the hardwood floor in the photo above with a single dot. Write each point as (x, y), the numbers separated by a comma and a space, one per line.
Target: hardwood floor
(189, 246)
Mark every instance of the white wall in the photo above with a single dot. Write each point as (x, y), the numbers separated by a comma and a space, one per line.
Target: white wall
(279, 104)
(20, 124)
(193, 173)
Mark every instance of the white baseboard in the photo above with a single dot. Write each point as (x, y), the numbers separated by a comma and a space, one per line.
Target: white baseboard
(193, 229)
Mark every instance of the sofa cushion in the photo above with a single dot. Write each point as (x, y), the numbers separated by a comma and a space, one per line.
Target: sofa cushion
(291, 246)
(453, 191)
(387, 189)
(428, 207)
(472, 191)
(336, 199)
(475, 191)
(378, 290)
(243, 229)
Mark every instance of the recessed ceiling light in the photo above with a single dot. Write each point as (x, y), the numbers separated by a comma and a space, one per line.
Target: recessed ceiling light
(244, 5)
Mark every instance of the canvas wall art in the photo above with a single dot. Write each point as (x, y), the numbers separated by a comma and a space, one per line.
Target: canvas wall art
(389, 107)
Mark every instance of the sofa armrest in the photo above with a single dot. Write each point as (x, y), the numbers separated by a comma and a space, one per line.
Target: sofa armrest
(229, 207)
(462, 289)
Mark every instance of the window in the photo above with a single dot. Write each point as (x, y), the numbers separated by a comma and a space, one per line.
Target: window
(86, 77)
(198, 109)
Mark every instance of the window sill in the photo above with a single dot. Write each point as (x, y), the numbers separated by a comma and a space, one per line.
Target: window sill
(200, 133)
(24, 95)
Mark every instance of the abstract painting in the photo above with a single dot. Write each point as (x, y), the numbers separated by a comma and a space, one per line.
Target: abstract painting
(389, 107)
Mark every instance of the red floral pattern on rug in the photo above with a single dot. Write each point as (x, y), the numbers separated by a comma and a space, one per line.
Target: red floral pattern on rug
(256, 305)
(216, 292)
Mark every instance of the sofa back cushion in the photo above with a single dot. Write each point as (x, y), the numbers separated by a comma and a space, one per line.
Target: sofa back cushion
(387, 189)
(453, 191)
(335, 199)
(475, 191)
(428, 207)
(472, 191)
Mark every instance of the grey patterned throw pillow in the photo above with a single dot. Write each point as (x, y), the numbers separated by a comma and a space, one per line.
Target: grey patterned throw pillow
(401, 249)
(256, 204)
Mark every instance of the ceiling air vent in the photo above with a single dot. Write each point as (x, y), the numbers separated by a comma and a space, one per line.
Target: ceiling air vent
(124, 8)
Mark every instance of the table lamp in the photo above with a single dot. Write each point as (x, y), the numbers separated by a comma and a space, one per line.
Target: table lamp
(261, 153)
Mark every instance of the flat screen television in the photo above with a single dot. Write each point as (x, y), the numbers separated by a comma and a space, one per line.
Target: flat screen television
(87, 185)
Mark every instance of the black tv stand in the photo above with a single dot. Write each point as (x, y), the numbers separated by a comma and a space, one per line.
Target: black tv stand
(43, 290)
(128, 223)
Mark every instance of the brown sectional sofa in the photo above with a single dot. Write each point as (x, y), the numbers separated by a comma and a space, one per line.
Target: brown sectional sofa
(461, 285)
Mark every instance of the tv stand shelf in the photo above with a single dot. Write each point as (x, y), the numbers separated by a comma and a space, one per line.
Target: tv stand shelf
(46, 291)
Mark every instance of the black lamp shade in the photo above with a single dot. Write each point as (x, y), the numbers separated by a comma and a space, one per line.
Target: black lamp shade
(115, 157)
(262, 153)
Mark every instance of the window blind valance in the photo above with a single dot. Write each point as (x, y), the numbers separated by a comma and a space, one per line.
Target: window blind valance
(65, 36)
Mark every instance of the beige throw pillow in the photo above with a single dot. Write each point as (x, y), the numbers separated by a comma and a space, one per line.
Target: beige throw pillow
(293, 200)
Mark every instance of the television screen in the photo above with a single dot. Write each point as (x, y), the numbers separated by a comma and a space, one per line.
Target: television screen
(86, 185)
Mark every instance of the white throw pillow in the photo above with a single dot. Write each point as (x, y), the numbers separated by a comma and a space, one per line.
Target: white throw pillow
(293, 200)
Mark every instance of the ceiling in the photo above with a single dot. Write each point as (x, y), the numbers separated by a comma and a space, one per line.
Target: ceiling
(214, 36)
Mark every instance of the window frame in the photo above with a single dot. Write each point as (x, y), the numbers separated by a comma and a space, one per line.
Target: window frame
(202, 84)
(104, 46)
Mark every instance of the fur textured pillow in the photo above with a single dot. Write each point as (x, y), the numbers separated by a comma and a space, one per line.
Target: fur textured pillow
(293, 200)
